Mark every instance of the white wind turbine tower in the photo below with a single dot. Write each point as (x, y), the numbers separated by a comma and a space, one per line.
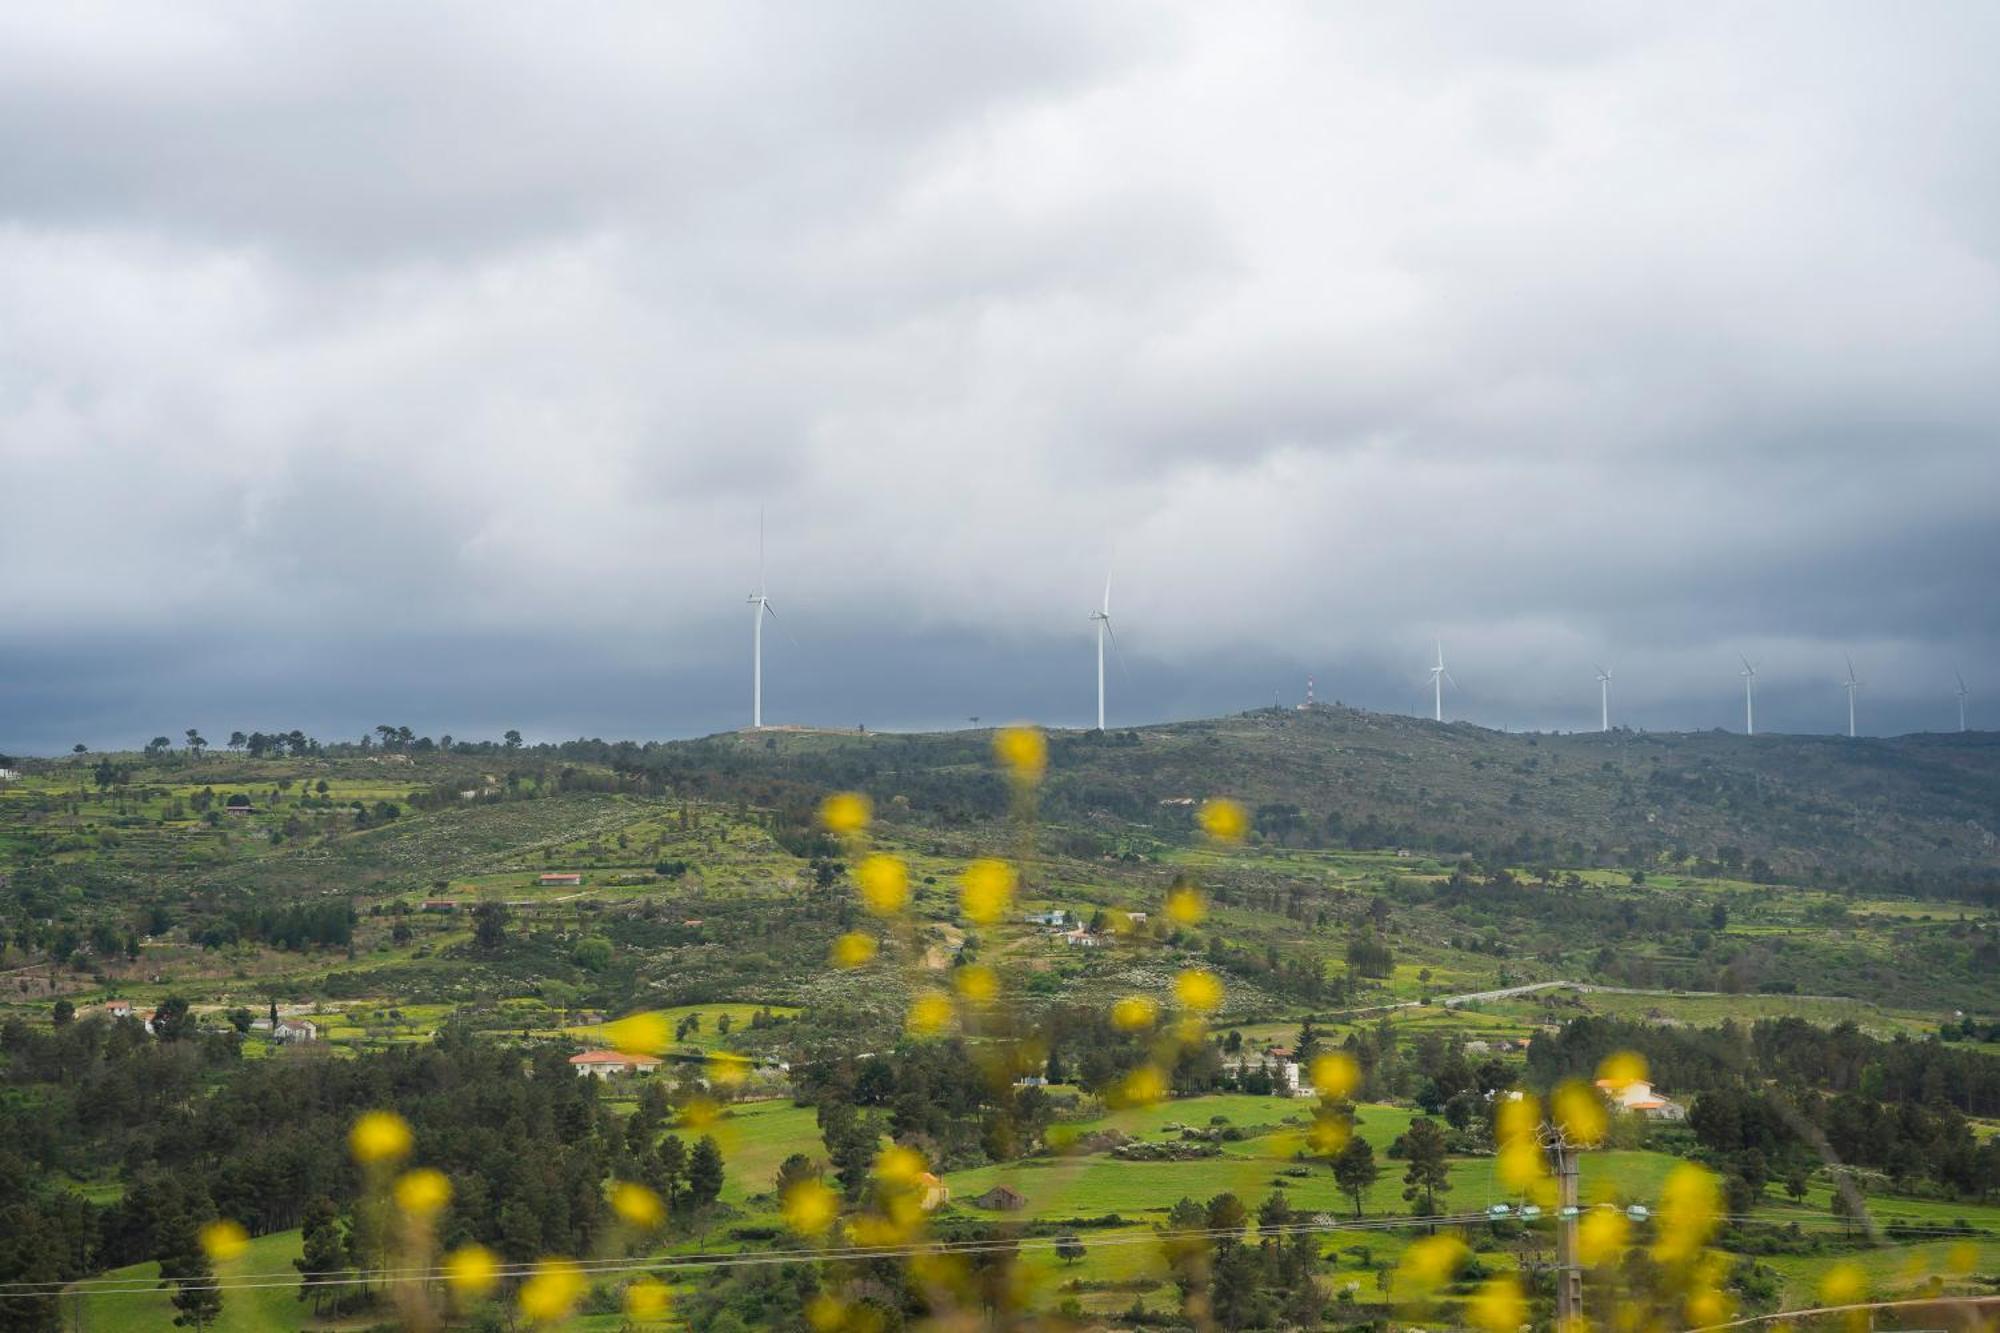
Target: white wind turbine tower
(1604, 699)
(1962, 692)
(1850, 685)
(763, 605)
(1438, 677)
(1749, 674)
(1103, 618)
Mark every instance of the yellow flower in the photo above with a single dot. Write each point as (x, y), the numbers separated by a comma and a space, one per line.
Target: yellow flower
(1199, 990)
(637, 1206)
(885, 884)
(379, 1136)
(1690, 1204)
(727, 1069)
(978, 983)
(1335, 1075)
(1223, 819)
(1844, 1284)
(224, 1240)
(1517, 1118)
(1430, 1262)
(1601, 1237)
(422, 1192)
(552, 1291)
(853, 949)
(809, 1207)
(700, 1113)
(1134, 1012)
(1707, 1306)
(1521, 1164)
(1961, 1258)
(648, 1298)
(1328, 1135)
(472, 1270)
(1142, 1087)
(825, 1312)
(899, 1165)
(1621, 1069)
(1185, 905)
(930, 1014)
(1498, 1306)
(986, 891)
(1580, 1112)
(644, 1033)
(845, 812)
(1022, 751)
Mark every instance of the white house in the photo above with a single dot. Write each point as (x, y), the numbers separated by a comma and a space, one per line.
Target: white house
(1639, 1098)
(604, 1064)
(295, 1031)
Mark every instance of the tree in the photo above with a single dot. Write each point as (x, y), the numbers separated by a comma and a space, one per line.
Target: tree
(324, 1261)
(704, 1173)
(237, 740)
(184, 1265)
(1069, 1249)
(172, 1021)
(1275, 1213)
(1429, 1173)
(489, 924)
(158, 746)
(1355, 1171)
(512, 739)
(63, 1012)
(794, 1171)
(196, 742)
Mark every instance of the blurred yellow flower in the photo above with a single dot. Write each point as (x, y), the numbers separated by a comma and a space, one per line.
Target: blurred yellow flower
(727, 1069)
(223, 1240)
(1022, 751)
(551, 1291)
(1335, 1075)
(422, 1192)
(853, 949)
(637, 1206)
(1143, 1086)
(379, 1136)
(1199, 990)
(648, 1298)
(1134, 1012)
(1223, 819)
(1601, 1237)
(1328, 1135)
(1185, 905)
(1517, 1118)
(930, 1014)
(884, 882)
(1431, 1262)
(700, 1113)
(1621, 1069)
(1844, 1284)
(1521, 1164)
(825, 1312)
(643, 1033)
(472, 1270)
(1707, 1307)
(986, 891)
(1498, 1306)
(978, 983)
(844, 813)
(898, 1165)
(1690, 1204)
(1961, 1258)
(1580, 1112)
(809, 1207)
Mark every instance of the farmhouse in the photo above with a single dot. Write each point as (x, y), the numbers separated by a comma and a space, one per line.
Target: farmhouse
(1001, 1199)
(932, 1192)
(295, 1031)
(1639, 1098)
(604, 1064)
(559, 878)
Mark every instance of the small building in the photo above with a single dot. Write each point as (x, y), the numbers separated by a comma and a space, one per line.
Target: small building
(1080, 938)
(118, 1008)
(295, 1031)
(440, 905)
(932, 1193)
(604, 1064)
(560, 879)
(1639, 1098)
(1053, 917)
(1002, 1199)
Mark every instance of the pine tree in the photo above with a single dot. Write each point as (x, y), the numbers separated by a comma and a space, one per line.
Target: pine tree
(1429, 1173)
(704, 1172)
(1355, 1171)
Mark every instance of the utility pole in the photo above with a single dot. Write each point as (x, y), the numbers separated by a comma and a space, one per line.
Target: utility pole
(1569, 1272)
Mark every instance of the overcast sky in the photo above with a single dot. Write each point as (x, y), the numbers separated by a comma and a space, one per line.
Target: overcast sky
(430, 364)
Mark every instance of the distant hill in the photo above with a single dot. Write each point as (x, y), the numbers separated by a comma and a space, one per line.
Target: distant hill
(1919, 812)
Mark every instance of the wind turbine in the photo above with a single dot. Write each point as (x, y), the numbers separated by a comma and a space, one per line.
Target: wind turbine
(1103, 618)
(1604, 698)
(1749, 674)
(1962, 692)
(763, 605)
(1438, 677)
(1850, 685)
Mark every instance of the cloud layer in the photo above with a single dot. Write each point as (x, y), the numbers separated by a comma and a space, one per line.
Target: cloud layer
(364, 359)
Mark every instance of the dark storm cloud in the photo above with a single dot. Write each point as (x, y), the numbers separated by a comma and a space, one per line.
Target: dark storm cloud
(435, 362)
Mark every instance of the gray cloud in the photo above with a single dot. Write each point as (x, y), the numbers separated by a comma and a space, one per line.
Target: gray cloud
(472, 340)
